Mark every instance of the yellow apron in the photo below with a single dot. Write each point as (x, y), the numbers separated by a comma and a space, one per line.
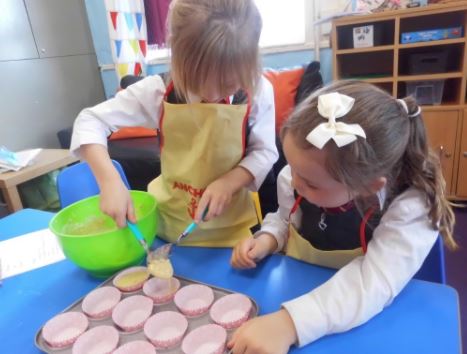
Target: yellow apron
(200, 143)
(300, 248)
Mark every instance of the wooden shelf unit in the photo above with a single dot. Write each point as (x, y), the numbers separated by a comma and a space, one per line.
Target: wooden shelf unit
(387, 65)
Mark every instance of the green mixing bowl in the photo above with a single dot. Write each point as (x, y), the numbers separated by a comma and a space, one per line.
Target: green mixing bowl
(92, 240)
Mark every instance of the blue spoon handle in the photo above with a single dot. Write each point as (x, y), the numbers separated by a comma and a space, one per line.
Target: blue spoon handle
(135, 230)
(191, 227)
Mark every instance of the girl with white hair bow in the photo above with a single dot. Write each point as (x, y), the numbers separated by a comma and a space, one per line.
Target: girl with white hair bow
(362, 192)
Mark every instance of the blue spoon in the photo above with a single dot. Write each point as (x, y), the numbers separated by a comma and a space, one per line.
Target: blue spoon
(139, 236)
(191, 227)
(164, 251)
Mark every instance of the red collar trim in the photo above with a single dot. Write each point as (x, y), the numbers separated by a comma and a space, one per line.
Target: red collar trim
(340, 209)
(170, 88)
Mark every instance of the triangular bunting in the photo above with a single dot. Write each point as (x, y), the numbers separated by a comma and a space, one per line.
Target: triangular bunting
(118, 46)
(122, 69)
(129, 20)
(134, 45)
(138, 69)
(139, 20)
(142, 46)
(113, 16)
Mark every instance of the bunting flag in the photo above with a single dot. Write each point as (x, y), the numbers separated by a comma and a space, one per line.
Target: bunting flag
(138, 69)
(113, 16)
(139, 20)
(134, 45)
(129, 20)
(127, 32)
(142, 46)
(118, 46)
(122, 69)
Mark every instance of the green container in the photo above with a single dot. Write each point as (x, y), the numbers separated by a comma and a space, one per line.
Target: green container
(92, 240)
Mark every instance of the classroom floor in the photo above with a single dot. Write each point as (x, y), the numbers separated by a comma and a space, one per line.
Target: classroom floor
(456, 265)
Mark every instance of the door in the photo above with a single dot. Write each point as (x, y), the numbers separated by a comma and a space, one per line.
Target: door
(441, 129)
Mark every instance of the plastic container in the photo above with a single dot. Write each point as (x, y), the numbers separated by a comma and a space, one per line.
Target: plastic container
(426, 92)
(92, 240)
(428, 63)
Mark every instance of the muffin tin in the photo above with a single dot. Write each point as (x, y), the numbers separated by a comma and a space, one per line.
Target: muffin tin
(138, 335)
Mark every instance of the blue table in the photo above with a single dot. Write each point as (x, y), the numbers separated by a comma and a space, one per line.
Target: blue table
(424, 318)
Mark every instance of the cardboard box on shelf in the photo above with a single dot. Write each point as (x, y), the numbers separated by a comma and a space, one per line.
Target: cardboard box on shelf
(363, 36)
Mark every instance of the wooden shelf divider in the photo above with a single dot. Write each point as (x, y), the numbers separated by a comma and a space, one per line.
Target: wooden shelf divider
(446, 123)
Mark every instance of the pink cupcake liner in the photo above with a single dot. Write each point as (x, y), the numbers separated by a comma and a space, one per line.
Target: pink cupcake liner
(62, 330)
(207, 339)
(194, 300)
(161, 291)
(231, 311)
(132, 286)
(99, 303)
(131, 313)
(98, 340)
(136, 347)
(165, 329)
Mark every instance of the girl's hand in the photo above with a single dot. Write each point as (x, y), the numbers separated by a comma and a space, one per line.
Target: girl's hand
(250, 251)
(116, 203)
(216, 197)
(218, 194)
(115, 198)
(273, 333)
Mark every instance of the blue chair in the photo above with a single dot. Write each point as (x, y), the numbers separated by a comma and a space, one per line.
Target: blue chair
(77, 182)
(433, 268)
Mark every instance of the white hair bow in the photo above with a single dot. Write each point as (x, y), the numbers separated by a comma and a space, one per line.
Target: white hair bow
(332, 106)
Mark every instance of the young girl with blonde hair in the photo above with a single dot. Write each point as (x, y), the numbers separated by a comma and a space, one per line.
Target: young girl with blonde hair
(362, 192)
(215, 117)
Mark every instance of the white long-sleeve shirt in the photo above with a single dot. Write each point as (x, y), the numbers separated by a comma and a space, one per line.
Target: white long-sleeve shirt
(362, 288)
(140, 105)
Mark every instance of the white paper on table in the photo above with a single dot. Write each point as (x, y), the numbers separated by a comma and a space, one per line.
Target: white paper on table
(24, 158)
(27, 252)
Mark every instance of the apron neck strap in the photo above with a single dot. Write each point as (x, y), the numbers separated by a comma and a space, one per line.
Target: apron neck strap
(170, 90)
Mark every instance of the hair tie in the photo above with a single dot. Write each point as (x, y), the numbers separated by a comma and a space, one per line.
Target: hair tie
(406, 109)
(332, 106)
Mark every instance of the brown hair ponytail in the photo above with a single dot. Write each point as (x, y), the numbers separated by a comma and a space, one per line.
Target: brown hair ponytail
(421, 168)
(395, 147)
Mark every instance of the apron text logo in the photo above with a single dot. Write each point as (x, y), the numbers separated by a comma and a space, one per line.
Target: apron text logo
(195, 192)
(192, 207)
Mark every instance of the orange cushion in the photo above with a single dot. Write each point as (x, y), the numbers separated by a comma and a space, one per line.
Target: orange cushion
(133, 132)
(285, 85)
